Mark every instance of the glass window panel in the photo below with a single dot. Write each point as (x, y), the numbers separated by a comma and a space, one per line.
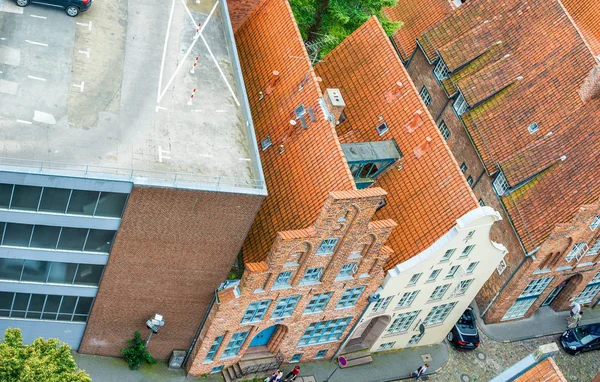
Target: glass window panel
(72, 239)
(99, 240)
(17, 234)
(89, 274)
(44, 236)
(10, 269)
(21, 301)
(6, 299)
(54, 200)
(65, 317)
(26, 198)
(52, 304)
(68, 304)
(83, 202)
(111, 204)
(80, 318)
(62, 273)
(84, 305)
(35, 271)
(37, 302)
(49, 316)
(5, 193)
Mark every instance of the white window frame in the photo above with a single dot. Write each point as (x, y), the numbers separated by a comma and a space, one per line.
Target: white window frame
(448, 254)
(463, 167)
(403, 321)
(283, 279)
(434, 275)
(460, 104)
(501, 267)
(595, 223)
(533, 128)
(266, 143)
(439, 292)
(467, 251)
(382, 304)
(446, 133)
(594, 249)
(386, 346)
(382, 128)
(536, 287)
(327, 246)
(312, 275)
(462, 287)
(500, 184)
(414, 340)
(425, 95)
(438, 314)
(452, 272)
(407, 299)
(414, 279)
(472, 266)
(441, 71)
(577, 252)
(348, 271)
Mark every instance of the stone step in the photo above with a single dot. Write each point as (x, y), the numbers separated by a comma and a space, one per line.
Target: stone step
(237, 368)
(226, 376)
(359, 361)
(358, 354)
(254, 361)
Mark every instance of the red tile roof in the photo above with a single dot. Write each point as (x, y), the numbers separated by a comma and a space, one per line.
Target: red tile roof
(586, 14)
(527, 66)
(545, 371)
(417, 16)
(312, 163)
(429, 193)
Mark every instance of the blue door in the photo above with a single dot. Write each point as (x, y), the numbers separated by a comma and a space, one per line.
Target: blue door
(262, 338)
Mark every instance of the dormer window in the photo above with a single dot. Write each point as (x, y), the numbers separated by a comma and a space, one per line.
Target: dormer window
(441, 70)
(500, 184)
(533, 128)
(460, 104)
(425, 96)
(369, 159)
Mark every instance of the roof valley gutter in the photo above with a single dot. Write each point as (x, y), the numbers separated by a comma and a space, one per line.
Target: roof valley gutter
(191, 348)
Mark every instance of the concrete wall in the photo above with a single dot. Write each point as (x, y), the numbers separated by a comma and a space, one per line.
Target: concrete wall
(486, 252)
(68, 332)
(173, 249)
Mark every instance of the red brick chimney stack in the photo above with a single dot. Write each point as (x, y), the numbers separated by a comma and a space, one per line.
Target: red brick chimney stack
(591, 85)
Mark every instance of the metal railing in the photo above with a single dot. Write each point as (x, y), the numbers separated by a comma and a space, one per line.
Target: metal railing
(136, 176)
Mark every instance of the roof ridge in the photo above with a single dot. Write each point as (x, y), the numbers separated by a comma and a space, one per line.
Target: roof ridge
(576, 26)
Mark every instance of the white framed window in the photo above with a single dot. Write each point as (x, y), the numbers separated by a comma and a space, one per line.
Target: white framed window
(469, 236)
(444, 130)
(594, 249)
(285, 307)
(415, 339)
(434, 275)
(460, 104)
(327, 246)
(324, 331)
(413, 280)
(425, 96)
(382, 304)
(462, 287)
(386, 346)
(312, 275)
(317, 303)
(463, 167)
(382, 128)
(407, 299)
(403, 322)
(472, 267)
(577, 252)
(266, 143)
(256, 311)
(481, 203)
(468, 249)
(501, 267)
(533, 128)
(470, 180)
(439, 292)
(348, 270)
(500, 184)
(535, 287)
(441, 70)
(595, 223)
(438, 314)
(452, 271)
(448, 254)
(283, 278)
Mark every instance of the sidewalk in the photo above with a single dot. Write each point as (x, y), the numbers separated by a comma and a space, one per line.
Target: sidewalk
(543, 322)
(386, 366)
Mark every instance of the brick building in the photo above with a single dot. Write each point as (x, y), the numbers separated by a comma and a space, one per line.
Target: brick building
(348, 136)
(133, 215)
(517, 102)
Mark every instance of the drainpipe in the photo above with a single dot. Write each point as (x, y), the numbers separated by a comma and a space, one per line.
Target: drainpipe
(437, 119)
(187, 355)
(478, 179)
(372, 298)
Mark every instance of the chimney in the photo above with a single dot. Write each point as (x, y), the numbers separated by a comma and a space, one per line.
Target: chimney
(272, 82)
(395, 93)
(425, 146)
(335, 103)
(415, 122)
(591, 85)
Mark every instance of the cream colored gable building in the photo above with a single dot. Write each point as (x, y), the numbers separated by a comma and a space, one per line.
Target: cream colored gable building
(432, 288)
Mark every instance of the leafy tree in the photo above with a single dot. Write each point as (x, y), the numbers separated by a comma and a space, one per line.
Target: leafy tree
(43, 360)
(326, 23)
(137, 353)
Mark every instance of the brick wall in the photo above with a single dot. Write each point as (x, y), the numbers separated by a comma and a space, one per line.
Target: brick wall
(548, 261)
(346, 216)
(174, 247)
(463, 150)
(239, 10)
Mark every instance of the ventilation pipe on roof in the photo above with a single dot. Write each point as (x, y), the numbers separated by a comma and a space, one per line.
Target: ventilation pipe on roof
(425, 146)
(415, 122)
(335, 104)
(563, 158)
(591, 85)
(395, 93)
(272, 82)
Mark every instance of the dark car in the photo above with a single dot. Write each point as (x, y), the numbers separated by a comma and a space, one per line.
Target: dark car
(72, 7)
(582, 338)
(464, 334)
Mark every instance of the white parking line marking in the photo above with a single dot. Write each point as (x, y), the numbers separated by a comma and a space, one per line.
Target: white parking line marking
(161, 155)
(220, 70)
(36, 43)
(86, 52)
(160, 108)
(38, 17)
(80, 86)
(22, 121)
(88, 25)
(47, 118)
(36, 78)
(164, 55)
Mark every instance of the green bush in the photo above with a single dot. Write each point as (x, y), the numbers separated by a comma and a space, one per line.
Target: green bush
(137, 353)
